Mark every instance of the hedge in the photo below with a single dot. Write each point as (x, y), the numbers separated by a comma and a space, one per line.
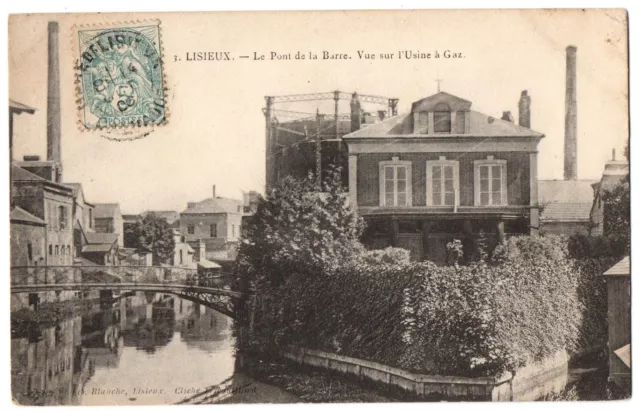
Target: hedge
(476, 320)
(584, 246)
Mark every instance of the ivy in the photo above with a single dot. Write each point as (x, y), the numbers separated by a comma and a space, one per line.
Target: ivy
(317, 288)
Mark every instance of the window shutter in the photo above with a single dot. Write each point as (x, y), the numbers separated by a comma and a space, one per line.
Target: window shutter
(429, 185)
(503, 194)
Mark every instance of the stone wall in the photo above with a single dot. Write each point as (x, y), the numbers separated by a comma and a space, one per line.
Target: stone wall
(529, 383)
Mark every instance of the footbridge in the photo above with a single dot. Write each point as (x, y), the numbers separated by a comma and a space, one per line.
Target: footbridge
(211, 290)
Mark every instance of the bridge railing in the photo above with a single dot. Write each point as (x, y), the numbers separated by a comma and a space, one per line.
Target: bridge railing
(50, 275)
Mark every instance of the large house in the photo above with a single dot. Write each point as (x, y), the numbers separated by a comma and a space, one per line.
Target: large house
(216, 221)
(444, 172)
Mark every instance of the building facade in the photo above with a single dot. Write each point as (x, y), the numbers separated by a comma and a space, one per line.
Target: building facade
(618, 280)
(444, 172)
(108, 219)
(216, 222)
(565, 206)
(28, 239)
(183, 255)
(614, 173)
(52, 203)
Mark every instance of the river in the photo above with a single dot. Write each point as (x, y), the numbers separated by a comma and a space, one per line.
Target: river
(145, 348)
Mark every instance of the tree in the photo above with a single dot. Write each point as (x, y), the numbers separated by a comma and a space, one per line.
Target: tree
(617, 209)
(298, 231)
(154, 235)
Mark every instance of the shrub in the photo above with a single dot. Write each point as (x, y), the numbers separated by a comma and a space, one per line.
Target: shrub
(527, 248)
(389, 255)
(584, 246)
(592, 295)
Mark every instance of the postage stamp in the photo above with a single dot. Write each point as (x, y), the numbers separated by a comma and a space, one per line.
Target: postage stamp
(120, 79)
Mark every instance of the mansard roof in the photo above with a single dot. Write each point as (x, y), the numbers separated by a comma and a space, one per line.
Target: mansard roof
(480, 125)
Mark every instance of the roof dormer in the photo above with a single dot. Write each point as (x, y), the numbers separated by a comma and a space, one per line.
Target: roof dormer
(441, 113)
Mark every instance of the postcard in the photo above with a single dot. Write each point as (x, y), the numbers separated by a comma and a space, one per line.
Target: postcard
(319, 206)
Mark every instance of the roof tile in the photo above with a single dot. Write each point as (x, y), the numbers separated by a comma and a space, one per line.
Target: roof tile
(216, 205)
(480, 125)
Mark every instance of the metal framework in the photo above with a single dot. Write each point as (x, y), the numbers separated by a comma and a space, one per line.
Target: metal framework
(272, 125)
(211, 291)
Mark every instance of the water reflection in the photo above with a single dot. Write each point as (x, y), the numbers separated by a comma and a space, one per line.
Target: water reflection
(146, 348)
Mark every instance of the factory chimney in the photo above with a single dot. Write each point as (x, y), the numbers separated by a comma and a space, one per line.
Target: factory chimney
(53, 102)
(356, 113)
(524, 110)
(570, 119)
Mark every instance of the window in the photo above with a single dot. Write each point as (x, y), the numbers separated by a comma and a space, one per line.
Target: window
(53, 217)
(181, 257)
(442, 182)
(29, 252)
(423, 122)
(57, 250)
(442, 118)
(490, 182)
(191, 229)
(461, 123)
(395, 183)
(68, 250)
(62, 217)
(50, 249)
(213, 230)
(233, 230)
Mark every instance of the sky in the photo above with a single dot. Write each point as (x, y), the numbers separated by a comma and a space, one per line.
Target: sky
(215, 131)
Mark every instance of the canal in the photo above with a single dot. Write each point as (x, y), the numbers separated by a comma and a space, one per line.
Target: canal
(145, 348)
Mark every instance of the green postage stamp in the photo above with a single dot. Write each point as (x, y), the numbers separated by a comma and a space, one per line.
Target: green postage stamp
(120, 76)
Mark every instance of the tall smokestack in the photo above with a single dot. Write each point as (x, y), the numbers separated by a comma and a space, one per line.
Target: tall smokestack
(524, 110)
(53, 97)
(356, 113)
(570, 119)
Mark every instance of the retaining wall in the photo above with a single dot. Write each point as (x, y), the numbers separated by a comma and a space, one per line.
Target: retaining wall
(529, 383)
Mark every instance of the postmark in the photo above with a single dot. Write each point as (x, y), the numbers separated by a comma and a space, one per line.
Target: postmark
(120, 79)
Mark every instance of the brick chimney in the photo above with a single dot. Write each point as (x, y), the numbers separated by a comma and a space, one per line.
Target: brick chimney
(524, 110)
(570, 119)
(506, 116)
(214, 191)
(356, 113)
(53, 100)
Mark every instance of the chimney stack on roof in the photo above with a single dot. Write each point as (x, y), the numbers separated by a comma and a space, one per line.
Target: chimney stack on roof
(53, 98)
(524, 110)
(570, 119)
(356, 113)
(613, 154)
(214, 191)
(506, 115)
